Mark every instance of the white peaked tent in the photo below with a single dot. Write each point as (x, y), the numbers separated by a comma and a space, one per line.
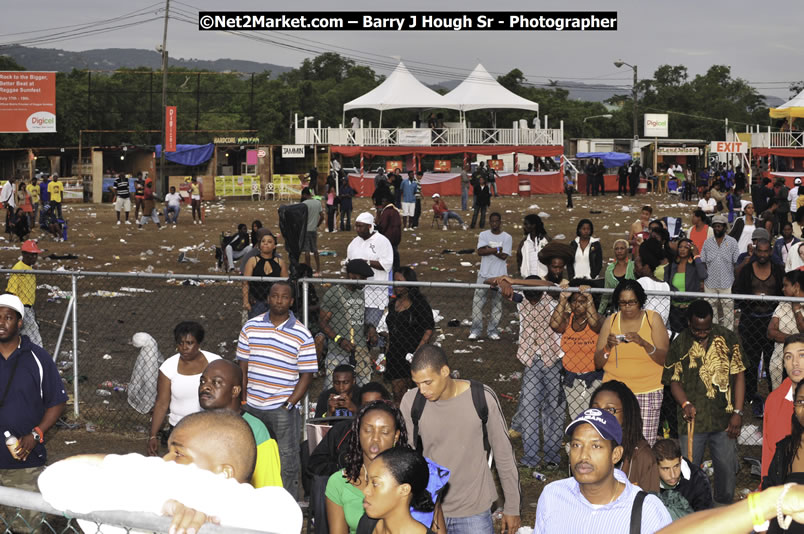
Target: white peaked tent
(481, 91)
(400, 90)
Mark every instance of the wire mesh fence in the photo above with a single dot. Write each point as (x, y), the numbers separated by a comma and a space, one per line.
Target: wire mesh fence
(27, 512)
(538, 355)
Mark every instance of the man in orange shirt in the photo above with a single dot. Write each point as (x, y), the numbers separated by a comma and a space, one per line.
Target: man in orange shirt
(440, 209)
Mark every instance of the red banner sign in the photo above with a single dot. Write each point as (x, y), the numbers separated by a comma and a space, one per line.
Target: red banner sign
(392, 165)
(27, 102)
(170, 129)
(496, 164)
(442, 165)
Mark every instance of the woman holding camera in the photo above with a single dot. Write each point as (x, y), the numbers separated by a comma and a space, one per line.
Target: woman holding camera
(631, 348)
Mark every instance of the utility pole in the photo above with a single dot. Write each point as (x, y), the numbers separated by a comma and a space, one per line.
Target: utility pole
(162, 177)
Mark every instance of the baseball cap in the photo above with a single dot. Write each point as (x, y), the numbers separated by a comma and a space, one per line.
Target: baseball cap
(760, 233)
(797, 181)
(604, 422)
(436, 195)
(30, 246)
(720, 219)
(12, 301)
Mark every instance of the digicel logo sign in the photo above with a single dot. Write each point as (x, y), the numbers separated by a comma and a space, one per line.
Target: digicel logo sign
(656, 124)
(41, 121)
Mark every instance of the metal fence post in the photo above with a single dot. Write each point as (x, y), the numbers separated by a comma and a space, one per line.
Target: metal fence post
(75, 345)
(306, 320)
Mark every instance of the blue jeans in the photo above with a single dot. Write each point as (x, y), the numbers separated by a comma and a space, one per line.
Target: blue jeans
(723, 451)
(451, 215)
(479, 303)
(542, 410)
(175, 211)
(464, 196)
(473, 524)
(285, 428)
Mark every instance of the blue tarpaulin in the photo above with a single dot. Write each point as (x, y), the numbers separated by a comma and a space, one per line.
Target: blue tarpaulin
(610, 159)
(190, 155)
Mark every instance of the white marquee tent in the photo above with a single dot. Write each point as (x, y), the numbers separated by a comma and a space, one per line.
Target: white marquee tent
(481, 91)
(400, 90)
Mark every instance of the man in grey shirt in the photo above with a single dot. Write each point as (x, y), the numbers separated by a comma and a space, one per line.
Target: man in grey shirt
(720, 253)
(315, 216)
(465, 184)
(451, 435)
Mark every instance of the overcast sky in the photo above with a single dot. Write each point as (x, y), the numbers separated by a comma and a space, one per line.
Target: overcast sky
(761, 41)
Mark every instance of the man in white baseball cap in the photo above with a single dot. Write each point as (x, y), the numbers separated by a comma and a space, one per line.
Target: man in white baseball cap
(792, 196)
(33, 400)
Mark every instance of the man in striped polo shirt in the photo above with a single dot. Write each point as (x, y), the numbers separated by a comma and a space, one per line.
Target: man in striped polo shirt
(277, 355)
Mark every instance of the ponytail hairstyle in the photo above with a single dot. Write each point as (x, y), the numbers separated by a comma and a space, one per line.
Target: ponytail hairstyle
(409, 467)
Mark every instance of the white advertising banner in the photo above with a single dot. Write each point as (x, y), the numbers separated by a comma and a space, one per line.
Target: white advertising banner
(414, 136)
(656, 124)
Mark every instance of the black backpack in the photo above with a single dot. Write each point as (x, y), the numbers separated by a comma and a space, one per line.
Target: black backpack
(478, 399)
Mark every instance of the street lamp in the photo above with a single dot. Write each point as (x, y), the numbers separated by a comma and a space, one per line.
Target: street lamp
(619, 63)
(583, 126)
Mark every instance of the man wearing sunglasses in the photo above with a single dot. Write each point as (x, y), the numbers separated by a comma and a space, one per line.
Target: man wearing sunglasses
(705, 369)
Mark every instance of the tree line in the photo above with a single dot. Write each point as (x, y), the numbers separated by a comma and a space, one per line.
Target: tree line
(130, 99)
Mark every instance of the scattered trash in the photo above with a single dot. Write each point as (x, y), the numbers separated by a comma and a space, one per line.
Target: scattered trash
(544, 215)
(103, 393)
(91, 427)
(539, 476)
(107, 356)
(560, 237)
(454, 323)
(71, 442)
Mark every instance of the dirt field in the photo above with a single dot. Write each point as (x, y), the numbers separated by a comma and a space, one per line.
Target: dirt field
(106, 324)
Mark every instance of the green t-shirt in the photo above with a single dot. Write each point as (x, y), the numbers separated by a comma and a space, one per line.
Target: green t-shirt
(348, 312)
(258, 428)
(707, 381)
(348, 497)
(314, 209)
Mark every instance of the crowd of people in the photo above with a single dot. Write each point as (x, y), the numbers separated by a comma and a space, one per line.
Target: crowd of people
(649, 377)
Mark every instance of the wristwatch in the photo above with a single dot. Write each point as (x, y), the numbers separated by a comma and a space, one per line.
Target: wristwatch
(37, 434)
(738, 412)
(288, 405)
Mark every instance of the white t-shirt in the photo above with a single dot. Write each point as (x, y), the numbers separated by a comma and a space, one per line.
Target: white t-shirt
(83, 486)
(375, 248)
(792, 196)
(657, 303)
(745, 237)
(183, 388)
(173, 199)
(707, 205)
(491, 265)
(530, 257)
(583, 267)
(7, 194)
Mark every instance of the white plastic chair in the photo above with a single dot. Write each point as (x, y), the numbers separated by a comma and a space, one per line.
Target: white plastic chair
(269, 191)
(256, 191)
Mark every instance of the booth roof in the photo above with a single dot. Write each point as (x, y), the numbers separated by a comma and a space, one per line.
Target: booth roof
(401, 90)
(481, 91)
(792, 109)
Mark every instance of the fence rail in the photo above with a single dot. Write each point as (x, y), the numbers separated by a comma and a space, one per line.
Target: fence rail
(39, 516)
(435, 137)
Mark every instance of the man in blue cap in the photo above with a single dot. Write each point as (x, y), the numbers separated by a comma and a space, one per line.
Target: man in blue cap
(598, 497)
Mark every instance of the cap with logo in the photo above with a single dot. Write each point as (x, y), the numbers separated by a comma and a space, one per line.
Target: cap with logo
(604, 422)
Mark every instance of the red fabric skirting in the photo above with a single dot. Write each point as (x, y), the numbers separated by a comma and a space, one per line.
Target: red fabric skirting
(787, 152)
(610, 182)
(539, 151)
(506, 185)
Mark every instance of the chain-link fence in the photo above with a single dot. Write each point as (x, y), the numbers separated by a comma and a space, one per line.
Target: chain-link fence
(542, 378)
(26, 511)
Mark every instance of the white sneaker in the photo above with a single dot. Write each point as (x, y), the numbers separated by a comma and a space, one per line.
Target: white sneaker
(473, 336)
(119, 223)
(464, 226)
(494, 337)
(128, 222)
(444, 228)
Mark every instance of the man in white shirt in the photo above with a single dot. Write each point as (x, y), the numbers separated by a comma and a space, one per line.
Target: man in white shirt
(217, 453)
(493, 247)
(172, 205)
(375, 248)
(8, 199)
(792, 196)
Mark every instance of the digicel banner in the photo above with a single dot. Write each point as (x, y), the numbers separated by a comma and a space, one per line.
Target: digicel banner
(170, 129)
(27, 102)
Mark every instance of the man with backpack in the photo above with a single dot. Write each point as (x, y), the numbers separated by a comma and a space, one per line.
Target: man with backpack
(456, 423)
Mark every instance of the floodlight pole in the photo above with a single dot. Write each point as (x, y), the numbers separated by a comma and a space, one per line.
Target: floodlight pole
(162, 178)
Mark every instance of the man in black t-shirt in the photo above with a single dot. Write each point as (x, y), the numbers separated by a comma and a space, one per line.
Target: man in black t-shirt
(122, 194)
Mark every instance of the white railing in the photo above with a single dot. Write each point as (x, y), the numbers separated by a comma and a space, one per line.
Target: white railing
(438, 137)
(777, 139)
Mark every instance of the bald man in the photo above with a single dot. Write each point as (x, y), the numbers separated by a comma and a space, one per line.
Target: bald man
(219, 389)
(202, 478)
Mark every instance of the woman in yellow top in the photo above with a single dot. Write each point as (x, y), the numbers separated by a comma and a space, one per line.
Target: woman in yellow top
(195, 199)
(33, 190)
(632, 348)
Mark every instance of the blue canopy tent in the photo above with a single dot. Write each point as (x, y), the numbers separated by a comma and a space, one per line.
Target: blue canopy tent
(189, 155)
(610, 159)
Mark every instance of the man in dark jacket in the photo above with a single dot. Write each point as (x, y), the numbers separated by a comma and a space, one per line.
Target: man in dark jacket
(678, 475)
(622, 180)
(633, 177)
(389, 224)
